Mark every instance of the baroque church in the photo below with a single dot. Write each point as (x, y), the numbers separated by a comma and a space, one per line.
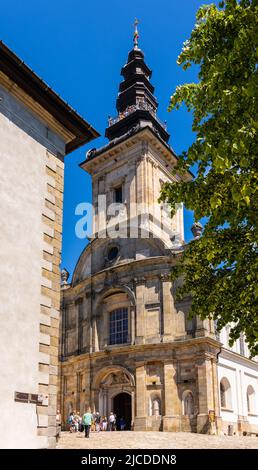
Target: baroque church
(126, 344)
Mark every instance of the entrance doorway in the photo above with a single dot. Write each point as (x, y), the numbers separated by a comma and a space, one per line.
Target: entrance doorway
(123, 409)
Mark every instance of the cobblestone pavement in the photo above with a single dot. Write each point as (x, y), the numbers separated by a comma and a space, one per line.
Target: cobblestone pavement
(153, 440)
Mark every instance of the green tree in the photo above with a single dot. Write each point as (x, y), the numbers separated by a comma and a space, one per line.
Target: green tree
(220, 268)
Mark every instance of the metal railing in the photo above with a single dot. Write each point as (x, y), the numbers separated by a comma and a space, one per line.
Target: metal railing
(141, 105)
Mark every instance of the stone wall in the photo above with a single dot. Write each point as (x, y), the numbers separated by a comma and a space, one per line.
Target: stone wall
(50, 297)
(31, 187)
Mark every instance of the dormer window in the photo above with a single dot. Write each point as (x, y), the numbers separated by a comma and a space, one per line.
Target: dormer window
(118, 194)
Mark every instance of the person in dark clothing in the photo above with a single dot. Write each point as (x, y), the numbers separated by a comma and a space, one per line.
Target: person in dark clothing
(122, 424)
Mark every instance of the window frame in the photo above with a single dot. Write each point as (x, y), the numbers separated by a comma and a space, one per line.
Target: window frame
(251, 400)
(225, 399)
(118, 331)
(119, 187)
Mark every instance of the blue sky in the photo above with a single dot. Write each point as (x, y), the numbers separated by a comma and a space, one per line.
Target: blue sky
(78, 47)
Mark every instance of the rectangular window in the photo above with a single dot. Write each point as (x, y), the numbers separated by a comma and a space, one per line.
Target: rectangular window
(79, 382)
(118, 326)
(65, 384)
(66, 317)
(80, 327)
(242, 345)
(118, 194)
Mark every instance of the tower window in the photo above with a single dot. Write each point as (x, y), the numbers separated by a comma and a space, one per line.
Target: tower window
(112, 253)
(118, 326)
(118, 194)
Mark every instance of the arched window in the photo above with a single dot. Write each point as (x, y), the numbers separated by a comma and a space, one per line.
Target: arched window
(250, 396)
(222, 395)
(118, 326)
(188, 403)
(225, 394)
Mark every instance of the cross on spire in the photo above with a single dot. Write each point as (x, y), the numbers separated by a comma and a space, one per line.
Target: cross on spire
(136, 34)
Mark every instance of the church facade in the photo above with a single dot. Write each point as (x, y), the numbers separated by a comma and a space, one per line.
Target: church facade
(126, 344)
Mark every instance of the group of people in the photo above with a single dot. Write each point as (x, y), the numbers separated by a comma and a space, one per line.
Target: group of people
(94, 422)
(74, 422)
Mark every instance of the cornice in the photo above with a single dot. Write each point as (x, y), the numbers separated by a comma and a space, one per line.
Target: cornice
(173, 347)
(35, 107)
(129, 141)
(238, 358)
(150, 261)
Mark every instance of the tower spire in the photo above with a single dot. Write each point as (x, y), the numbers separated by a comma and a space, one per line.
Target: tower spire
(136, 34)
(136, 104)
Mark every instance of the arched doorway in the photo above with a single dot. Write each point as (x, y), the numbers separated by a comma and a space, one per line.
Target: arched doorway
(114, 390)
(122, 404)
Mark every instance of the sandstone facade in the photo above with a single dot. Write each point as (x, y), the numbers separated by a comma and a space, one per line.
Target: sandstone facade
(35, 133)
(126, 344)
(167, 363)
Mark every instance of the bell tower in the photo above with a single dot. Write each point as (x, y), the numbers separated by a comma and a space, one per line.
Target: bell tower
(130, 170)
(149, 360)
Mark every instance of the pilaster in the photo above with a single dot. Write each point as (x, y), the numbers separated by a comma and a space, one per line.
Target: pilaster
(140, 422)
(171, 419)
(140, 311)
(167, 317)
(207, 397)
(202, 327)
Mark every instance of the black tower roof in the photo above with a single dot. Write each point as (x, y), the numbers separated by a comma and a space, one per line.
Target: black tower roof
(136, 104)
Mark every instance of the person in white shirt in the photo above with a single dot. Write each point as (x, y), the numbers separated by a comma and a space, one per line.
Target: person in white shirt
(112, 421)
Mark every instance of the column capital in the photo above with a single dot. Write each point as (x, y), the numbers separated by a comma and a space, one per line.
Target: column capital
(139, 280)
(164, 277)
(145, 147)
(140, 364)
(140, 159)
(169, 362)
(202, 358)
